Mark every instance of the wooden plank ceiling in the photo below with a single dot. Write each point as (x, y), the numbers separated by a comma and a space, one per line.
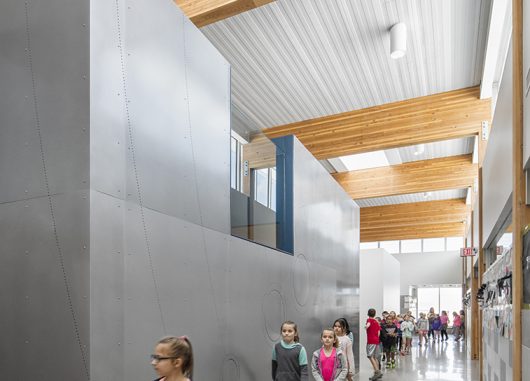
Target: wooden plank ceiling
(453, 114)
(205, 12)
(415, 220)
(452, 172)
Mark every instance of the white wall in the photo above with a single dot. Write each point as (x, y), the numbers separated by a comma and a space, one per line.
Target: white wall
(428, 268)
(497, 166)
(379, 283)
(391, 283)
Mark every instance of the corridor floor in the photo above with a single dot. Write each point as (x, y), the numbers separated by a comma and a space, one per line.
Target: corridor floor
(445, 361)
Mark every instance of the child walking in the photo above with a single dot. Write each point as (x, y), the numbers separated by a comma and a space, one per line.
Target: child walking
(436, 327)
(389, 343)
(328, 363)
(422, 325)
(444, 319)
(340, 326)
(457, 322)
(407, 328)
(372, 343)
(289, 357)
(173, 359)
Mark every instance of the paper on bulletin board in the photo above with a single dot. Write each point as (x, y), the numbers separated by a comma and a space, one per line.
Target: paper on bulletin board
(526, 271)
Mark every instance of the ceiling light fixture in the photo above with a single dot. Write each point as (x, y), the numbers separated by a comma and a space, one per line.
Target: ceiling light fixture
(398, 40)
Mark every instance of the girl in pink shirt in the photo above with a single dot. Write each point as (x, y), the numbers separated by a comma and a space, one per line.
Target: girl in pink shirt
(328, 363)
(457, 322)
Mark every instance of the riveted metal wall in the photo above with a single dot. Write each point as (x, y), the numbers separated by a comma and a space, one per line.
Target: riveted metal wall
(174, 269)
(44, 180)
(326, 235)
(115, 231)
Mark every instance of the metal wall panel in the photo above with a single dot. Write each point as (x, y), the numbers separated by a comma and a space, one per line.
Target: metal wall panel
(107, 258)
(45, 109)
(44, 203)
(326, 232)
(108, 134)
(45, 282)
(177, 100)
(182, 272)
(97, 276)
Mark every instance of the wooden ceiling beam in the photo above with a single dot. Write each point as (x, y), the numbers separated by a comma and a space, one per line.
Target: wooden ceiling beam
(452, 172)
(205, 12)
(391, 233)
(410, 214)
(449, 115)
(429, 219)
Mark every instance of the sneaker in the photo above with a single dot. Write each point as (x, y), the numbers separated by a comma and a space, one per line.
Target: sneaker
(393, 364)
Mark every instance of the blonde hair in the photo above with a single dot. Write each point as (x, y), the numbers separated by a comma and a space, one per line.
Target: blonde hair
(335, 338)
(180, 347)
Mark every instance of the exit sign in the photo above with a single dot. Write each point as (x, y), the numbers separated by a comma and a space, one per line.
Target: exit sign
(468, 251)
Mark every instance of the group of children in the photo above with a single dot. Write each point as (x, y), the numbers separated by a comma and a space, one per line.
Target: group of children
(391, 332)
(333, 361)
(173, 357)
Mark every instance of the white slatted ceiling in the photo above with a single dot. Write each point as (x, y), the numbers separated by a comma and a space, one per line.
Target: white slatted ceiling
(294, 60)
(414, 197)
(436, 150)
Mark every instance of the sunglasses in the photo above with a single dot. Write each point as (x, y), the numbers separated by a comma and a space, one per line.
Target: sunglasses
(157, 358)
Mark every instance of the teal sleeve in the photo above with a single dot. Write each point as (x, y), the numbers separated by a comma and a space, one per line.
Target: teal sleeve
(302, 357)
(273, 354)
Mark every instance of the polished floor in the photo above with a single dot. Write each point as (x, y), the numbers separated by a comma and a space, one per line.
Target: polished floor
(440, 361)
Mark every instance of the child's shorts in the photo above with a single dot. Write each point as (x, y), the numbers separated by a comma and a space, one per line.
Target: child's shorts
(390, 348)
(372, 350)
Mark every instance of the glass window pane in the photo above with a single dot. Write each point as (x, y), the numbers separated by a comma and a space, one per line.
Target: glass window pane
(273, 189)
(390, 246)
(261, 185)
(506, 240)
(368, 245)
(454, 243)
(411, 246)
(427, 298)
(433, 244)
(451, 300)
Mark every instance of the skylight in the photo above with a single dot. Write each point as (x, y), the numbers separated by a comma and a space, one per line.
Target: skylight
(365, 160)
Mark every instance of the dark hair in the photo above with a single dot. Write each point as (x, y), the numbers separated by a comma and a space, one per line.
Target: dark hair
(371, 312)
(180, 347)
(335, 338)
(344, 325)
(296, 336)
